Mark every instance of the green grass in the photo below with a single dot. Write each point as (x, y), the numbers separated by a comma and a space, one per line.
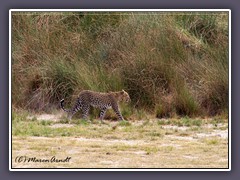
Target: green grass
(186, 121)
(150, 129)
(171, 64)
(124, 123)
(213, 141)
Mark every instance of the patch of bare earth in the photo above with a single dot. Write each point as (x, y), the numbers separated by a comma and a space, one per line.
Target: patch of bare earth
(46, 117)
(61, 125)
(178, 149)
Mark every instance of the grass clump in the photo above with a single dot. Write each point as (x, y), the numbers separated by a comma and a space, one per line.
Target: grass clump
(124, 123)
(213, 141)
(186, 121)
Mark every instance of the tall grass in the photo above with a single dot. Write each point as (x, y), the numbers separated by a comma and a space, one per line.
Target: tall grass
(171, 64)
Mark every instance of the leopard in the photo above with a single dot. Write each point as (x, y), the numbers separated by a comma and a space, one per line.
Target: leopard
(101, 100)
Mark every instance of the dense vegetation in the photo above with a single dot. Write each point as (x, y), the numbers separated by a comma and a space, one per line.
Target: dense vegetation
(170, 63)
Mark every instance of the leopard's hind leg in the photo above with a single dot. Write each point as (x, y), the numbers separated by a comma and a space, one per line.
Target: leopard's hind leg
(78, 106)
(85, 111)
(102, 113)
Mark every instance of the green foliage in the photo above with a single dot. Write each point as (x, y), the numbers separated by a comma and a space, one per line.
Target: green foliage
(185, 103)
(45, 123)
(16, 117)
(204, 25)
(213, 141)
(171, 64)
(185, 121)
(80, 122)
(98, 24)
(164, 122)
(140, 114)
(164, 110)
(124, 123)
(126, 111)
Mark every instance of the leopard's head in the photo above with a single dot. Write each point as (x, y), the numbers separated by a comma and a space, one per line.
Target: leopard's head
(124, 96)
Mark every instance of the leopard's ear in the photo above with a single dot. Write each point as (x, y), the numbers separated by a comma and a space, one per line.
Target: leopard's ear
(122, 92)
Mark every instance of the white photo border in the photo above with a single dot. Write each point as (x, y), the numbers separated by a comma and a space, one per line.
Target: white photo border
(118, 169)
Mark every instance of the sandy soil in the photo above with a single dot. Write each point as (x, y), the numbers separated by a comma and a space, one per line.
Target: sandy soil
(208, 149)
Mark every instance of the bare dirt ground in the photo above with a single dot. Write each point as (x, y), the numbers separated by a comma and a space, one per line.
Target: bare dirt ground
(143, 144)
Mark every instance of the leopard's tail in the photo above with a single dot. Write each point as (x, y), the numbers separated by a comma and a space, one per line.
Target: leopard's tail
(62, 106)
